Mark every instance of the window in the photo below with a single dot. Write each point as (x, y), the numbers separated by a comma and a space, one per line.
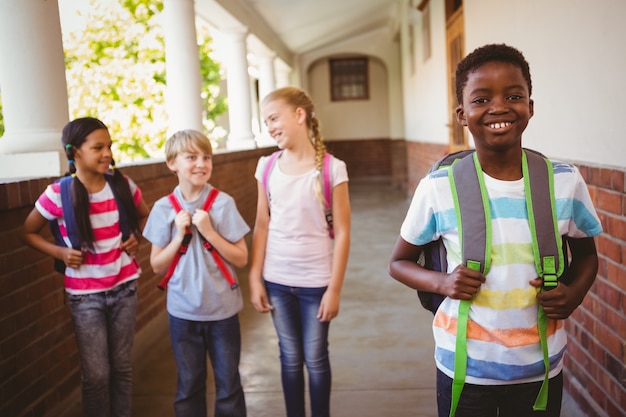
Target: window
(349, 79)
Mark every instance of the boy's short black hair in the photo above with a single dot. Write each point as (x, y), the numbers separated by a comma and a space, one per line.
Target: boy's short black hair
(490, 53)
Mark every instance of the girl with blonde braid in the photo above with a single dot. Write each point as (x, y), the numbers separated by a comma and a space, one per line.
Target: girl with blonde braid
(297, 271)
(100, 276)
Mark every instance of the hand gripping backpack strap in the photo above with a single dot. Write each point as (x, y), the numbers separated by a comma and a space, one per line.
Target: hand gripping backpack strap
(471, 204)
(547, 245)
(216, 256)
(183, 247)
(185, 244)
(69, 217)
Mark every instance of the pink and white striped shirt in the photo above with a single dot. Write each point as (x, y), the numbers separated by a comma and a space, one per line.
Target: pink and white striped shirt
(106, 265)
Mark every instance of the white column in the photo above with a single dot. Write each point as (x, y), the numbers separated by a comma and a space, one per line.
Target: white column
(238, 86)
(267, 77)
(283, 74)
(182, 64)
(267, 84)
(34, 90)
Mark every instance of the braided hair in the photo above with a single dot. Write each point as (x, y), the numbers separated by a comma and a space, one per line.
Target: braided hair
(74, 135)
(298, 98)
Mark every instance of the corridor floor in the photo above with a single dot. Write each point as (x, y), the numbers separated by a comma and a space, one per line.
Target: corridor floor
(380, 344)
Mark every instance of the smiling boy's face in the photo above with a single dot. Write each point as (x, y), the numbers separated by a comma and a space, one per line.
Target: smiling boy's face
(496, 106)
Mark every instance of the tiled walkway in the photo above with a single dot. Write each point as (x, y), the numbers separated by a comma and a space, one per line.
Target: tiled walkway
(381, 344)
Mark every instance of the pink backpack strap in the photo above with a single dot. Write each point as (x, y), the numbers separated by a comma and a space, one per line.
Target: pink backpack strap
(269, 166)
(326, 184)
(327, 190)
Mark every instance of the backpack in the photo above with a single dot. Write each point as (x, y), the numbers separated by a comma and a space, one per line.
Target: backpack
(471, 202)
(325, 181)
(187, 238)
(70, 219)
(434, 254)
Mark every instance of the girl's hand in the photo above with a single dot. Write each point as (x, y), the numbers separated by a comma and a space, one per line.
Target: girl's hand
(258, 297)
(73, 258)
(130, 246)
(329, 306)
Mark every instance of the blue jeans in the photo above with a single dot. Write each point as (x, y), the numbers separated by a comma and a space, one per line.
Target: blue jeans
(499, 400)
(104, 324)
(191, 340)
(302, 339)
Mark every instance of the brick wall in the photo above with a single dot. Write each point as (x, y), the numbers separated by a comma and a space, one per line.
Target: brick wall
(595, 364)
(39, 366)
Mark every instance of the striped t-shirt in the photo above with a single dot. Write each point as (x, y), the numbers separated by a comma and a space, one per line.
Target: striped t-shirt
(107, 265)
(502, 338)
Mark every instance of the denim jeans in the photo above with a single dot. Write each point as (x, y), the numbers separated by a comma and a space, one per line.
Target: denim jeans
(191, 340)
(302, 339)
(499, 400)
(104, 324)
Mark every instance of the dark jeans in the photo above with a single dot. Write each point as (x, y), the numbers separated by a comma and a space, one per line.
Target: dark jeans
(191, 341)
(499, 400)
(302, 339)
(104, 324)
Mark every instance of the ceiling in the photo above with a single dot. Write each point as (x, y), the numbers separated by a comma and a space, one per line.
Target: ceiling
(305, 25)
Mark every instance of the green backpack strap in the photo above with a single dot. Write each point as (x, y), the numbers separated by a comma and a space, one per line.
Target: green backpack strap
(547, 245)
(471, 202)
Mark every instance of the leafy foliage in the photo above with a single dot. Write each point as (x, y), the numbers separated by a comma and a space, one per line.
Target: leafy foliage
(115, 69)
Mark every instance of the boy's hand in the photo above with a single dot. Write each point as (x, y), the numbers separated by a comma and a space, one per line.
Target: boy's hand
(202, 221)
(558, 303)
(182, 221)
(462, 283)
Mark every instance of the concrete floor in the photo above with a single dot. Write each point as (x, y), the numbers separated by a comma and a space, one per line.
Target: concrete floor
(381, 343)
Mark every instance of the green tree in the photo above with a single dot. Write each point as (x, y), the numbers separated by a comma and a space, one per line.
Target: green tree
(115, 69)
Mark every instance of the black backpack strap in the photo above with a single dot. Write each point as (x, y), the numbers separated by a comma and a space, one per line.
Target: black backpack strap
(68, 211)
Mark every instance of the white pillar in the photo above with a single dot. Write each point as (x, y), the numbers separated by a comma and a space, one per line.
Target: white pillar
(267, 84)
(283, 74)
(238, 86)
(267, 77)
(182, 64)
(34, 90)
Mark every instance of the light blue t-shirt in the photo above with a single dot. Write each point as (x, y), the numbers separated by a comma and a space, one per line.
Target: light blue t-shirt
(198, 290)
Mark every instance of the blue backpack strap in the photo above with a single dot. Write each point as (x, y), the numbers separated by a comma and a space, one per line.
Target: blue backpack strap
(123, 216)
